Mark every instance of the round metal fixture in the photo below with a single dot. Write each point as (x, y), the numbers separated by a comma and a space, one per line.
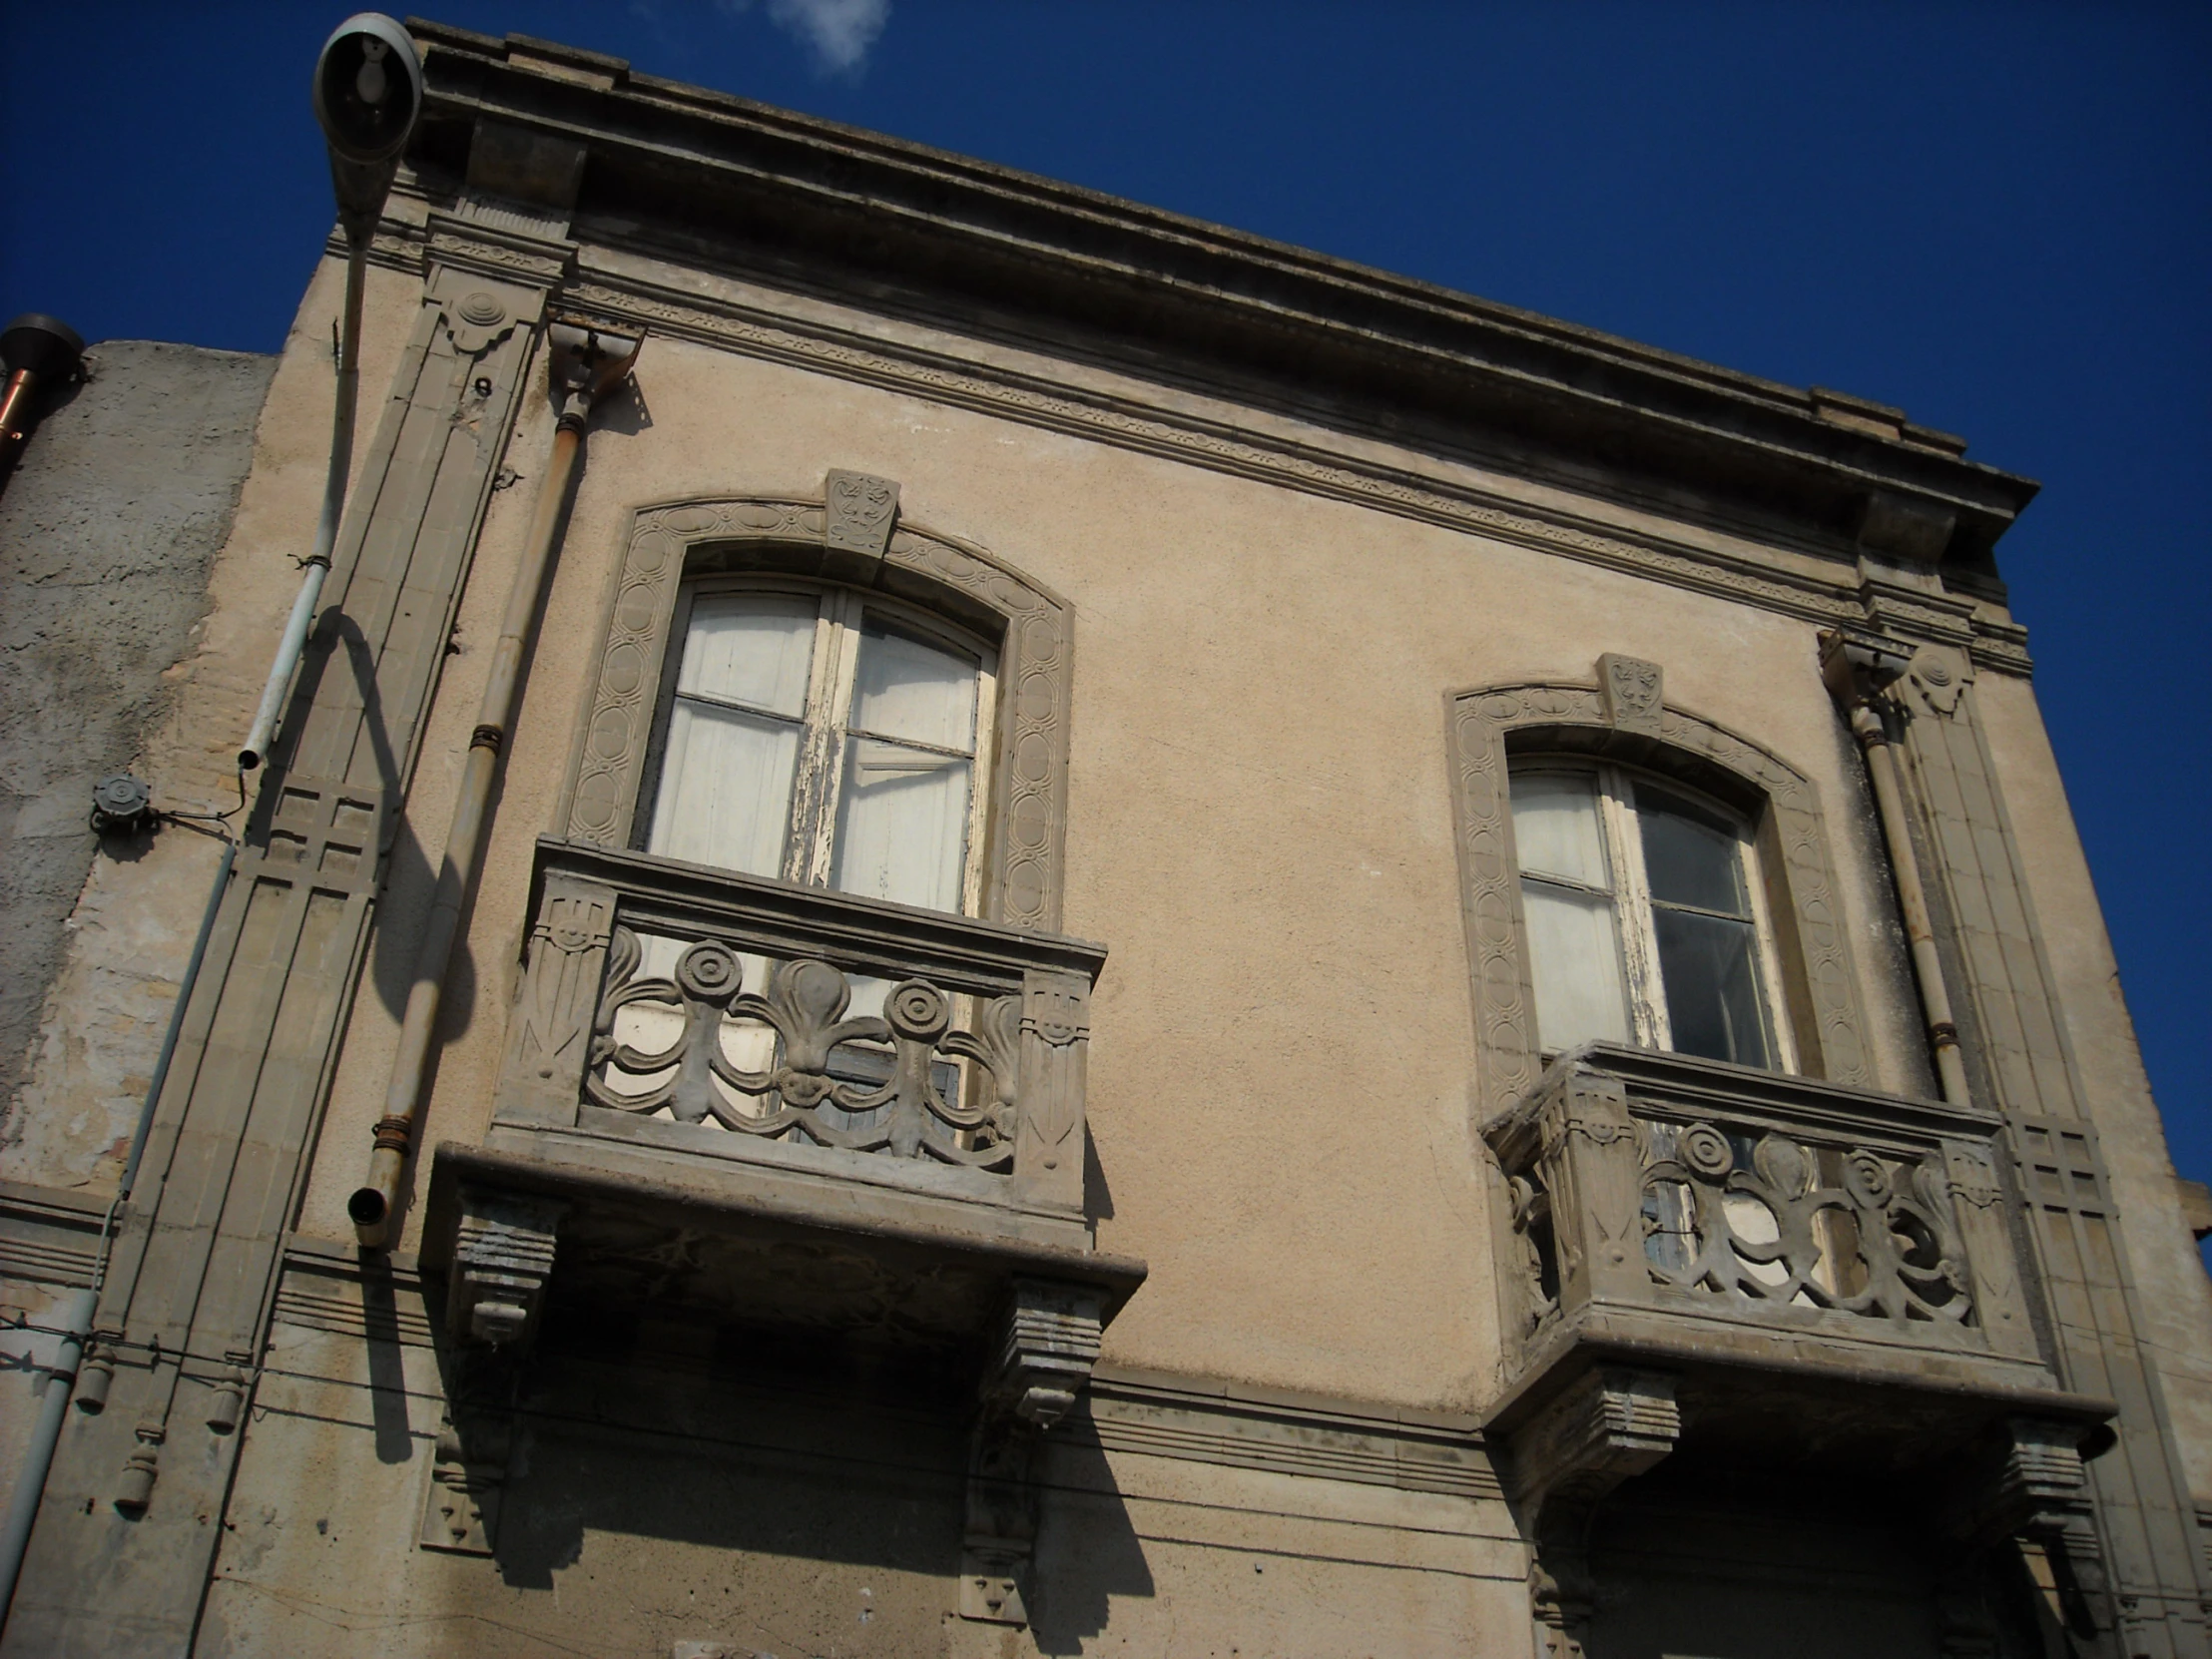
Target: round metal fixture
(42, 345)
(367, 89)
(122, 805)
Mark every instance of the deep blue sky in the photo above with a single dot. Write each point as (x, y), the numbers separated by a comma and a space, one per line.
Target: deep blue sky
(1994, 216)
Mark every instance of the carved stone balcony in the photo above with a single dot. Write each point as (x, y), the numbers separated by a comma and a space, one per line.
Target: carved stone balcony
(1789, 1273)
(1727, 1220)
(770, 1104)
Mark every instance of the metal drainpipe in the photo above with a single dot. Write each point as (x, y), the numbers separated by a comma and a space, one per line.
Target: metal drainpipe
(255, 748)
(37, 1456)
(584, 365)
(1857, 674)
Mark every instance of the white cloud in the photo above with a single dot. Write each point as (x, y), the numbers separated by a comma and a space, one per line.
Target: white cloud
(840, 31)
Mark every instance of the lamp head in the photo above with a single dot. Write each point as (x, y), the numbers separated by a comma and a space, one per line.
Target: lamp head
(47, 346)
(367, 94)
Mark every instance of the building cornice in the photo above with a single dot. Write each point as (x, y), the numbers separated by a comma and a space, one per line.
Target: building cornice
(901, 226)
(1819, 583)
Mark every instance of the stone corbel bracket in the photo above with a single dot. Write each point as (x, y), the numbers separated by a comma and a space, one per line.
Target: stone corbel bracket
(2040, 1495)
(1046, 1350)
(1607, 1426)
(502, 1258)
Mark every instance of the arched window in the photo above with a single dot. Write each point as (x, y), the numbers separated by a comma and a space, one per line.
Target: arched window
(825, 736)
(885, 715)
(1646, 917)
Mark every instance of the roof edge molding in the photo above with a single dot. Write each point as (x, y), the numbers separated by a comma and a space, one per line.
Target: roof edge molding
(980, 247)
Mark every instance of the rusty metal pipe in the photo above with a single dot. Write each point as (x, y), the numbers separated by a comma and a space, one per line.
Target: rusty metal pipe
(1856, 675)
(584, 365)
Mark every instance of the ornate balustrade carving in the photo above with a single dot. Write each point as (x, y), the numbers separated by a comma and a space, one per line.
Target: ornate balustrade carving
(804, 1006)
(1658, 1184)
(1779, 1221)
(753, 1028)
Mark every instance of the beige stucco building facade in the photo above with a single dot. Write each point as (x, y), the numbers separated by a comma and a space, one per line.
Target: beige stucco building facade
(1231, 1222)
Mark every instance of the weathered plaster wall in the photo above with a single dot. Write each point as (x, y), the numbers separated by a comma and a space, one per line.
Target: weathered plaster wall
(124, 944)
(107, 531)
(1260, 829)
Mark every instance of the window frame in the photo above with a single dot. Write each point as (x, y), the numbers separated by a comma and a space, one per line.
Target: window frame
(775, 533)
(1634, 908)
(1822, 930)
(825, 721)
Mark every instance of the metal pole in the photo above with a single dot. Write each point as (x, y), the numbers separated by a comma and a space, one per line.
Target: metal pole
(14, 402)
(257, 740)
(585, 363)
(37, 1456)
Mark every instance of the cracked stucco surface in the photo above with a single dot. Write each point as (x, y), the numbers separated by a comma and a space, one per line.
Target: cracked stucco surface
(123, 496)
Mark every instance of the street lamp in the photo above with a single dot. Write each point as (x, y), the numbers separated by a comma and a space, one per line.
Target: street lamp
(367, 94)
(35, 350)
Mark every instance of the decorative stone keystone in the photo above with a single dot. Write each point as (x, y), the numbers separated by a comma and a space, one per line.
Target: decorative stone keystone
(1633, 691)
(858, 512)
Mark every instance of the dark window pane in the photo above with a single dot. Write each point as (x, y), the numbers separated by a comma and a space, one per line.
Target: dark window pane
(1689, 854)
(1705, 964)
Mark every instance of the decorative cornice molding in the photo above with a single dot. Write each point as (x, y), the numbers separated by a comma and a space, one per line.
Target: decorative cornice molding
(1156, 429)
(872, 214)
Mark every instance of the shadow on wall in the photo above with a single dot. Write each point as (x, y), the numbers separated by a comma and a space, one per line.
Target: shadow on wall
(1686, 1563)
(700, 1486)
(1088, 1551)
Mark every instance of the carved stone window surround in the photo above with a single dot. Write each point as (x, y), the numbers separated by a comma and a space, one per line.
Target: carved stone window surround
(1030, 626)
(1489, 724)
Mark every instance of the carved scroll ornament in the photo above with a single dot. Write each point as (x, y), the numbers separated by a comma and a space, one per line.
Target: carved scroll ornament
(804, 1005)
(1879, 1240)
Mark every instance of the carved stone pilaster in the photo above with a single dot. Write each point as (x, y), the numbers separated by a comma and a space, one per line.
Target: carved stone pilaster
(1936, 683)
(1591, 1160)
(549, 1035)
(1991, 1256)
(1045, 1357)
(501, 1261)
(1634, 692)
(1055, 1048)
(1609, 1426)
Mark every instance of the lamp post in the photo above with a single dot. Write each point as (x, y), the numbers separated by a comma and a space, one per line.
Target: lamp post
(367, 92)
(34, 352)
